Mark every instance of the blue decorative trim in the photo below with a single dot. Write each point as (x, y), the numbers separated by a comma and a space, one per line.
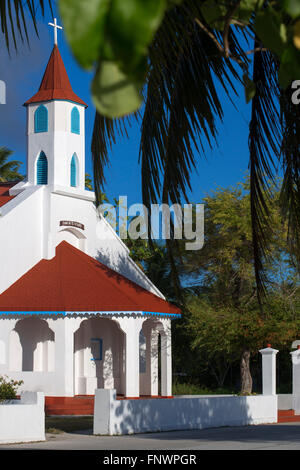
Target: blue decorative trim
(171, 315)
(175, 315)
(33, 313)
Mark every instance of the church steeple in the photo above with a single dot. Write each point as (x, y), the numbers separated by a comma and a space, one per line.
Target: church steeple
(56, 131)
(55, 84)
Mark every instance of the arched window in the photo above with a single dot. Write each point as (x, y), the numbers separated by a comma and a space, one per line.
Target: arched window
(75, 121)
(74, 171)
(42, 169)
(41, 119)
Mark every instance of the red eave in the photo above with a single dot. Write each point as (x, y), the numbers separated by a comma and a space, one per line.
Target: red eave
(4, 193)
(75, 282)
(55, 84)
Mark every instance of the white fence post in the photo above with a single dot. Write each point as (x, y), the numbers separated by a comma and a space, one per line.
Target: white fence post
(2, 92)
(268, 370)
(296, 379)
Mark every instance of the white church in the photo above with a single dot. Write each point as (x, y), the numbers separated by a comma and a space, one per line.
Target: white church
(76, 313)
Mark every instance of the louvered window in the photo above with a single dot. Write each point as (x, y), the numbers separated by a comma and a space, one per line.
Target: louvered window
(74, 170)
(75, 121)
(96, 349)
(42, 169)
(41, 119)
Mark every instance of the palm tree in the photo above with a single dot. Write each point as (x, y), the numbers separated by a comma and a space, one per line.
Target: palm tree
(88, 182)
(9, 170)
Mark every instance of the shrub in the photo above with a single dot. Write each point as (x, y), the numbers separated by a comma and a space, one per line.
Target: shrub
(8, 388)
(194, 389)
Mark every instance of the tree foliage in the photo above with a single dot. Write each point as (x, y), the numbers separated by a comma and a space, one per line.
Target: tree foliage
(8, 388)
(9, 169)
(226, 320)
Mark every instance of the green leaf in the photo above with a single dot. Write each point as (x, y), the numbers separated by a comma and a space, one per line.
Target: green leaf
(246, 9)
(270, 30)
(84, 24)
(117, 34)
(289, 66)
(171, 3)
(296, 38)
(292, 7)
(131, 27)
(213, 13)
(114, 93)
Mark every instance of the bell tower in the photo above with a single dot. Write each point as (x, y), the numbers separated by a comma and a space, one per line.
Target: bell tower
(56, 129)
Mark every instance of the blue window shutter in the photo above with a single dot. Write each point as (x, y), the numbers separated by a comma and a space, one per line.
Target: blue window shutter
(101, 350)
(41, 119)
(75, 121)
(74, 166)
(97, 349)
(42, 169)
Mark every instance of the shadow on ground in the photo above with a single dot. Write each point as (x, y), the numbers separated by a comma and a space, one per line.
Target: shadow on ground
(267, 433)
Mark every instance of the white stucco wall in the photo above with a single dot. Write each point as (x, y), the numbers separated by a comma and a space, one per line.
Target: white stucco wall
(285, 401)
(23, 420)
(97, 239)
(21, 228)
(114, 417)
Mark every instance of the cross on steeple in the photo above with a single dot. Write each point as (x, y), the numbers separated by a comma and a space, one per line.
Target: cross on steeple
(56, 27)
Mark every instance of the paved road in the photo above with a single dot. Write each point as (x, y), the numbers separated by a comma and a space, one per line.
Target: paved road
(262, 437)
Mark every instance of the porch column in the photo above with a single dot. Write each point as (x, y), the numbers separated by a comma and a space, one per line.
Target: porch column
(295, 355)
(151, 375)
(8, 359)
(64, 329)
(131, 326)
(89, 379)
(166, 360)
(268, 370)
(153, 361)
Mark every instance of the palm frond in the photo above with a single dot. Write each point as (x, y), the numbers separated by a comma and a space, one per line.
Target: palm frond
(104, 136)
(264, 147)
(9, 169)
(182, 105)
(13, 18)
(290, 158)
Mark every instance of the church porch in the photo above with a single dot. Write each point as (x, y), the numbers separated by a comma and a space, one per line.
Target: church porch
(71, 356)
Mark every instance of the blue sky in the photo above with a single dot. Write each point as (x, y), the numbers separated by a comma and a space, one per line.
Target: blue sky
(223, 166)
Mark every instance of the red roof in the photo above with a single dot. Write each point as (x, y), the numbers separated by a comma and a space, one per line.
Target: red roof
(4, 193)
(75, 282)
(55, 84)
